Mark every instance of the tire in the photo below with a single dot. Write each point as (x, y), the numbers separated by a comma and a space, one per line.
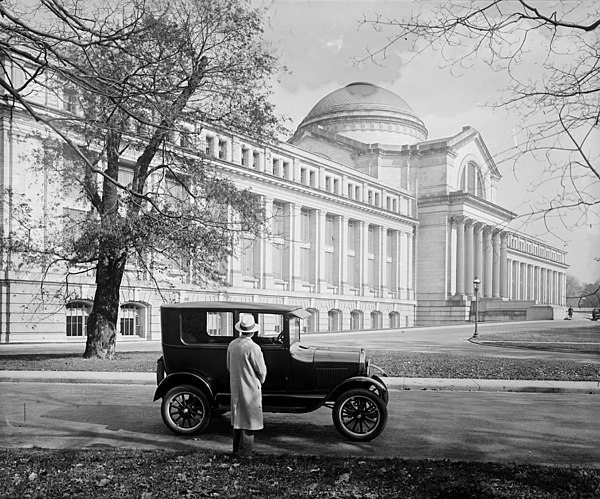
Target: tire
(185, 410)
(359, 415)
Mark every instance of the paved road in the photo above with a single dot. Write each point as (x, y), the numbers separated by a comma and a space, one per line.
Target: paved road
(557, 429)
(455, 340)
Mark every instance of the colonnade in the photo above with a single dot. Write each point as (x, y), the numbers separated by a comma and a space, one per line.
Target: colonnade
(318, 251)
(482, 251)
(535, 283)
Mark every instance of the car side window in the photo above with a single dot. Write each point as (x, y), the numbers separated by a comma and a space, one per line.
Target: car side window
(202, 326)
(271, 327)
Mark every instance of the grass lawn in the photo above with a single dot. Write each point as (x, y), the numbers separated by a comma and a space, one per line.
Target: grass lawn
(120, 474)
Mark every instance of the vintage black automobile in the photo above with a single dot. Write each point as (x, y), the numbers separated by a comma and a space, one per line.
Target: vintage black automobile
(193, 381)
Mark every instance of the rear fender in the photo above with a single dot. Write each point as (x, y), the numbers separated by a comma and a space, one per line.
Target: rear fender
(374, 384)
(176, 379)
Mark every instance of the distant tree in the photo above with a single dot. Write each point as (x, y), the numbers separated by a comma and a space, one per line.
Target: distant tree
(138, 79)
(550, 52)
(573, 290)
(590, 295)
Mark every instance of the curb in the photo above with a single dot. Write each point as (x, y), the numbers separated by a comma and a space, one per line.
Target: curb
(393, 383)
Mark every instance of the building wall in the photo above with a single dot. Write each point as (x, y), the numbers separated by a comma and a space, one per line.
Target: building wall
(420, 236)
(282, 175)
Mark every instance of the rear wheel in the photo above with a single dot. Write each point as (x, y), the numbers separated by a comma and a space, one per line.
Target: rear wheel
(185, 410)
(359, 415)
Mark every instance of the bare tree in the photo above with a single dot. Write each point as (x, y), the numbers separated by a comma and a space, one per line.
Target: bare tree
(550, 52)
(137, 81)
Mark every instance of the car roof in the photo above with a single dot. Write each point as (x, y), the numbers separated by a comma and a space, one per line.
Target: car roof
(228, 305)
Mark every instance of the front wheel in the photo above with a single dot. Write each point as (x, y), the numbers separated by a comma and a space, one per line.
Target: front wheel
(359, 415)
(185, 410)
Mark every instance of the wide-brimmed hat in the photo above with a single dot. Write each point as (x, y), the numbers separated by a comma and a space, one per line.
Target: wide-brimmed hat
(246, 325)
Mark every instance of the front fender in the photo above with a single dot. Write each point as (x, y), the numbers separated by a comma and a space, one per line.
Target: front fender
(375, 383)
(176, 379)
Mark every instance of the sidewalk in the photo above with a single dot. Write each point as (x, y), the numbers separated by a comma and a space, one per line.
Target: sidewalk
(393, 383)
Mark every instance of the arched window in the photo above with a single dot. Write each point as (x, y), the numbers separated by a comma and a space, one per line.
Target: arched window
(394, 320)
(376, 319)
(132, 319)
(334, 320)
(312, 323)
(471, 180)
(77, 313)
(356, 320)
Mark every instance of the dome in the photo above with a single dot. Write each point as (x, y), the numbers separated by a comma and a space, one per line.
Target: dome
(367, 113)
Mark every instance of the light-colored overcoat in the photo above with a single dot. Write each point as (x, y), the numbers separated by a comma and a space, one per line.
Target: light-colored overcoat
(247, 373)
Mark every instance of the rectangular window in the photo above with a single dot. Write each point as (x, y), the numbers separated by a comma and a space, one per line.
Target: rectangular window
(351, 236)
(244, 158)
(127, 325)
(305, 259)
(278, 220)
(223, 149)
(74, 325)
(305, 227)
(70, 100)
(210, 146)
(277, 263)
(247, 257)
(73, 224)
(329, 264)
(329, 231)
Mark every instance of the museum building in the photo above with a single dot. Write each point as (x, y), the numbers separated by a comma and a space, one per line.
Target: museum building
(373, 227)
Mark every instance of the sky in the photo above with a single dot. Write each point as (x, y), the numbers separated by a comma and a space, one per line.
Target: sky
(318, 41)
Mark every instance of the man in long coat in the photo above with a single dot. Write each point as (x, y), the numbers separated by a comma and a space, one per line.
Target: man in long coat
(247, 373)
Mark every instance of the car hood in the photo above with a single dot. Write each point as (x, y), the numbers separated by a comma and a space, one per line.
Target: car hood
(333, 354)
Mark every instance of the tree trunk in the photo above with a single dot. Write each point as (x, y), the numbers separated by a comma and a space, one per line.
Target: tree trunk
(102, 322)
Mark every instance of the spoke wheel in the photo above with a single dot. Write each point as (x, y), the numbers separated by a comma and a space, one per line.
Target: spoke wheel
(185, 410)
(359, 415)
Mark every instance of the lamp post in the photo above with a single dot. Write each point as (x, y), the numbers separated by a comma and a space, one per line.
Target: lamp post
(476, 283)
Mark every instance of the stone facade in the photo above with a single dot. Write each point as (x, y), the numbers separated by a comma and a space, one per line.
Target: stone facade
(376, 228)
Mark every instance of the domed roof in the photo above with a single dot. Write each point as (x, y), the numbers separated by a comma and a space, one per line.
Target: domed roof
(359, 95)
(367, 113)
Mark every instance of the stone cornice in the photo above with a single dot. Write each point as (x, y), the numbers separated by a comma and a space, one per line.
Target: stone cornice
(459, 197)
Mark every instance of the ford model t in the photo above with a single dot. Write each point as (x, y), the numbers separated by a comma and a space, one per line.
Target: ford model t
(193, 381)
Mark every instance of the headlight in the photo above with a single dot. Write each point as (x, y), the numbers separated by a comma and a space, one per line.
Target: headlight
(373, 370)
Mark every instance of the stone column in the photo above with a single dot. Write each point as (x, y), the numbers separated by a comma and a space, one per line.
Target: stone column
(364, 255)
(320, 252)
(266, 251)
(460, 256)
(469, 257)
(503, 266)
(384, 280)
(411, 266)
(343, 253)
(295, 251)
(496, 264)
(488, 251)
(478, 253)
